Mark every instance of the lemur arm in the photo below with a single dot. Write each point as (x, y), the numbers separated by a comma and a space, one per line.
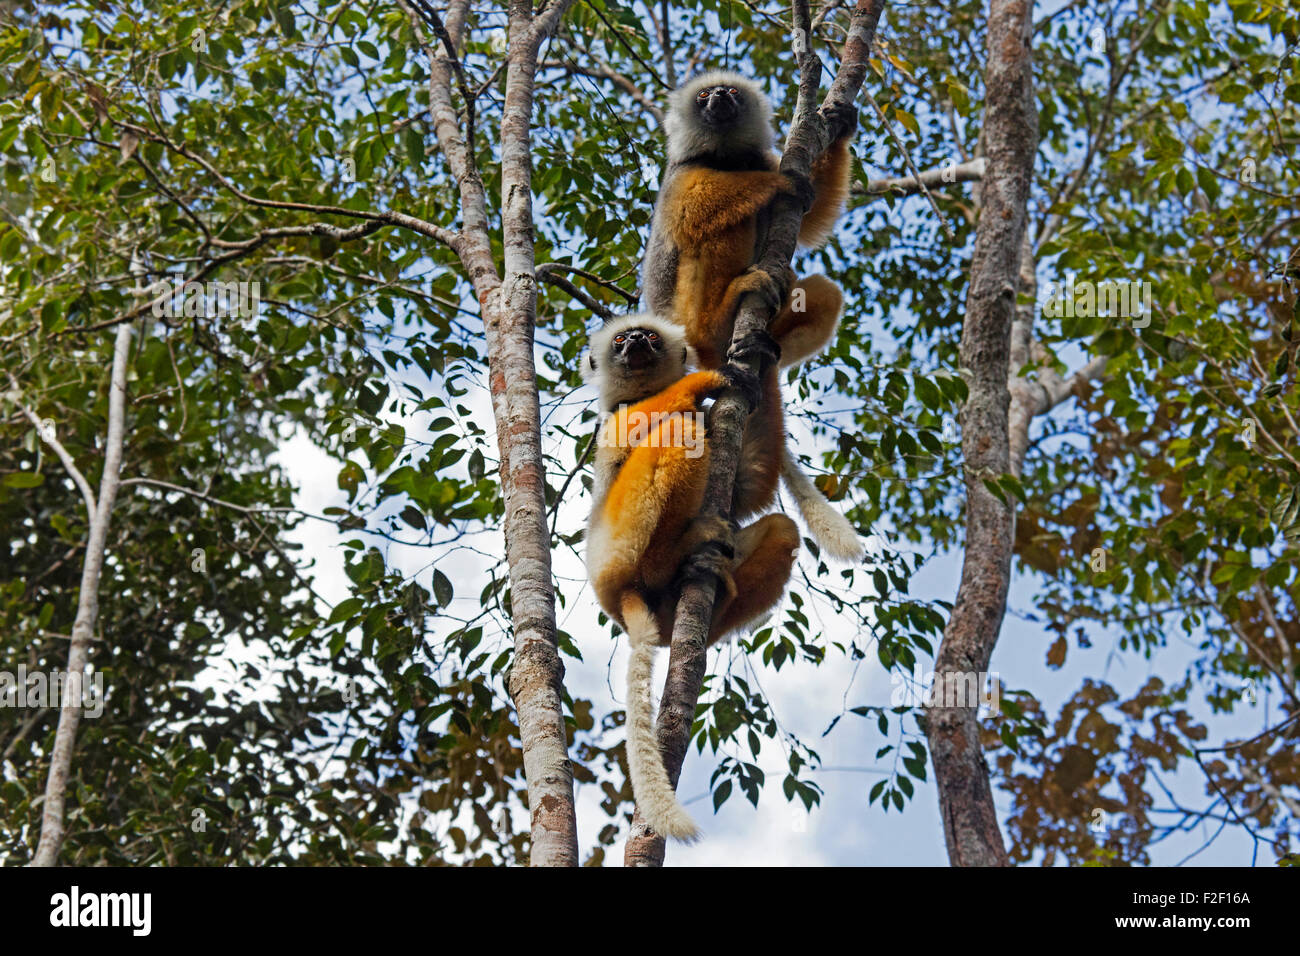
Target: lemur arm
(684, 395)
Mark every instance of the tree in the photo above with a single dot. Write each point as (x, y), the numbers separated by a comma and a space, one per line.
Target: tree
(433, 204)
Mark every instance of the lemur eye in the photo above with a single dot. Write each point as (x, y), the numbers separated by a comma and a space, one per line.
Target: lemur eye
(702, 95)
(733, 91)
(620, 339)
(654, 336)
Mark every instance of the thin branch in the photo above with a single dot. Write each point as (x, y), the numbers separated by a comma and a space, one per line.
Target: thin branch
(56, 784)
(47, 436)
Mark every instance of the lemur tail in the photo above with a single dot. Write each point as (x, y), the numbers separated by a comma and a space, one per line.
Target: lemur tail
(830, 529)
(654, 794)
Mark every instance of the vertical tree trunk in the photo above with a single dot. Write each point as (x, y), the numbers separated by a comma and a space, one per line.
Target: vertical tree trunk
(536, 680)
(65, 736)
(1011, 141)
(509, 309)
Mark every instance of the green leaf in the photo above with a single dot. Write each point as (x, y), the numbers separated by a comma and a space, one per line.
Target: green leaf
(345, 610)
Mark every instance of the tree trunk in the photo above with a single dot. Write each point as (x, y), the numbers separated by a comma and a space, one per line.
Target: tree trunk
(537, 675)
(1011, 141)
(509, 309)
(65, 736)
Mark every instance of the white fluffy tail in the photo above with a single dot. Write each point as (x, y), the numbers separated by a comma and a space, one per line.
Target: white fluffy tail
(654, 795)
(830, 529)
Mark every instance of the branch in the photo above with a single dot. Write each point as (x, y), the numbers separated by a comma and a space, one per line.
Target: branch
(430, 16)
(809, 137)
(969, 171)
(907, 158)
(547, 273)
(238, 251)
(87, 495)
(1039, 395)
(56, 784)
(548, 276)
(603, 71)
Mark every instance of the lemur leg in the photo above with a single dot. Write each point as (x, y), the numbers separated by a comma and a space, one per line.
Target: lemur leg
(759, 468)
(765, 553)
(807, 323)
(706, 549)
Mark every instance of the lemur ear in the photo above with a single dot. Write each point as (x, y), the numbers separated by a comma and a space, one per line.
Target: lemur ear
(690, 357)
(587, 367)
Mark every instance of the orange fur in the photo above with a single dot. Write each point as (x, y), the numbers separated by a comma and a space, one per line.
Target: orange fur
(656, 493)
(764, 558)
(805, 332)
(830, 180)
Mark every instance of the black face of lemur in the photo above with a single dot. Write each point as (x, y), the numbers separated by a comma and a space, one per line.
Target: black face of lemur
(637, 349)
(719, 105)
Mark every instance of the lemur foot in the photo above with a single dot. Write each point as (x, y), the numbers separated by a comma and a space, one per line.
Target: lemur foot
(842, 119)
(756, 345)
(711, 542)
(756, 279)
(745, 381)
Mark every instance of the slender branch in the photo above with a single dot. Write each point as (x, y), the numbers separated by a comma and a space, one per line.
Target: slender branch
(56, 784)
(969, 171)
(548, 276)
(907, 158)
(430, 16)
(47, 436)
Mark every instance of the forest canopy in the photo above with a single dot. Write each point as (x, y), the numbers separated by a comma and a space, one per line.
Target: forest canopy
(294, 450)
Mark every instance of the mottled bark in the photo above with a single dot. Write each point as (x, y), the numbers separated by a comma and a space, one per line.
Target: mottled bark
(509, 307)
(536, 679)
(1011, 141)
(65, 735)
(810, 135)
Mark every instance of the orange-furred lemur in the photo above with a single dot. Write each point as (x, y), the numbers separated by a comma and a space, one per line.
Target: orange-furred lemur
(652, 465)
(710, 218)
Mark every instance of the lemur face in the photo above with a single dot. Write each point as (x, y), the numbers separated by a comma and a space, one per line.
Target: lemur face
(719, 106)
(637, 349)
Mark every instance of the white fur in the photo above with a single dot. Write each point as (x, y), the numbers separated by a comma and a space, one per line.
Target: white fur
(627, 386)
(830, 529)
(687, 138)
(654, 793)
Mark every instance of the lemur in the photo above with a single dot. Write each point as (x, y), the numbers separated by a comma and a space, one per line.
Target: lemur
(652, 465)
(709, 220)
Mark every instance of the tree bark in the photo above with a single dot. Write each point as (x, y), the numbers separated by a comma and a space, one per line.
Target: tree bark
(1011, 142)
(65, 735)
(536, 678)
(810, 135)
(509, 308)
